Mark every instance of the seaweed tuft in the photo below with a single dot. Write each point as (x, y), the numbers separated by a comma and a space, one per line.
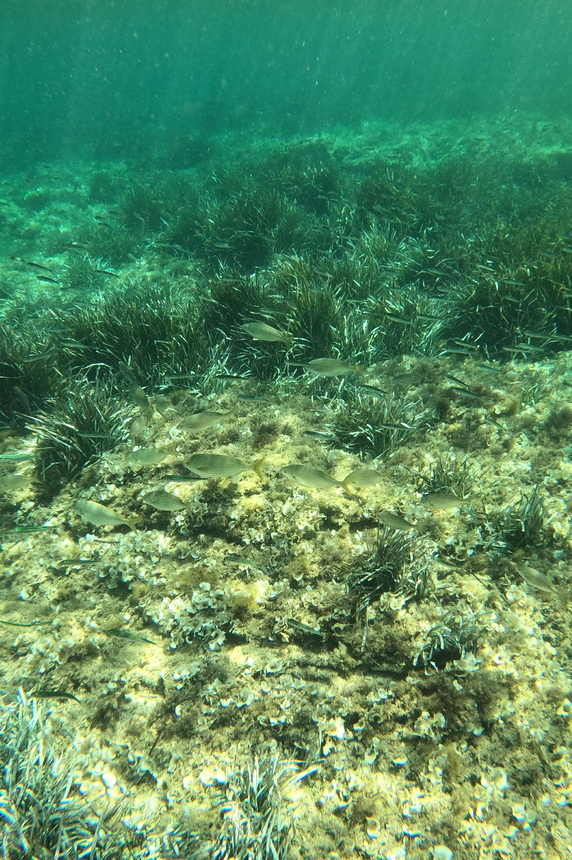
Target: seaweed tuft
(82, 424)
(398, 564)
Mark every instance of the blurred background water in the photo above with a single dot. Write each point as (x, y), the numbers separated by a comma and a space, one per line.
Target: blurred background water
(115, 78)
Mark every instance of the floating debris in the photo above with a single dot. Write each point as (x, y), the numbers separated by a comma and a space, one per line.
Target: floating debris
(164, 501)
(221, 466)
(262, 331)
(99, 515)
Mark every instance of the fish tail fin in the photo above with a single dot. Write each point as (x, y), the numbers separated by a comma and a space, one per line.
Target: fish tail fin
(257, 467)
(347, 487)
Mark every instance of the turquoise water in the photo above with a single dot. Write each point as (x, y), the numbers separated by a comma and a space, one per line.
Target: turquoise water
(119, 78)
(285, 477)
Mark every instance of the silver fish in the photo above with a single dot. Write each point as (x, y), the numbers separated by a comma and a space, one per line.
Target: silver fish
(361, 478)
(221, 466)
(394, 522)
(203, 420)
(13, 482)
(164, 501)
(262, 331)
(443, 501)
(148, 456)
(330, 367)
(309, 476)
(99, 515)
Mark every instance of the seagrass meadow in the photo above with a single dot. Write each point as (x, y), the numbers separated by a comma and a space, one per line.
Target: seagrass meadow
(285, 430)
(225, 659)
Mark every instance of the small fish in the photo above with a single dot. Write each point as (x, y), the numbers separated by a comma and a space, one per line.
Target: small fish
(172, 478)
(402, 426)
(204, 420)
(138, 396)
(457, 350)
(253, 398)
(77, 562)
(127, 634)
(455, 380)
(230, 376)
(99, 515)
(329, 367)
(453, 565)
(37, 356)
(400, 320)
(32, 264)
(164, 501)
(317, 434)
(95, 435)
(529, 347)
(148, 456)
(309, 476)
(514, 350)
(163, 404)
(19, 623)
(304, 628)
(392, 521)
(15, 456)
(127, 372)
(537, 579)
(138, 426)
(429, 318)
(466, 391)
(262, 331)
(53, 694)
(361, 478)
(46, 279)
(232, 558)
(9, 483)
(106, 272)
(443, 501)
(494, 423)
(30, 529)
(221, 466)
(373, 391)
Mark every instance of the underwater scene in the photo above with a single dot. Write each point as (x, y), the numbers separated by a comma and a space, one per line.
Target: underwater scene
(285, 430)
